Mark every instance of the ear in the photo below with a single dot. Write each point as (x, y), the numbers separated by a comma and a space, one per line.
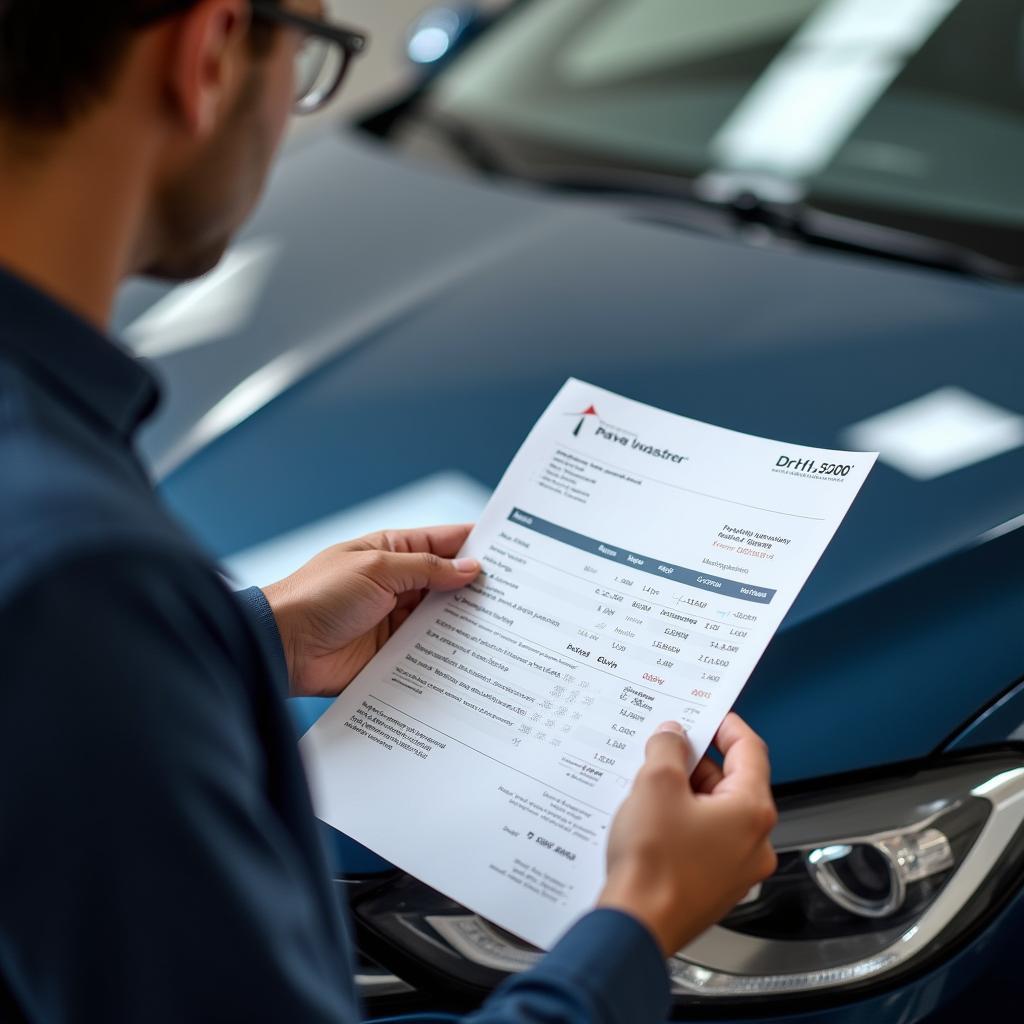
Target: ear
(207, 60)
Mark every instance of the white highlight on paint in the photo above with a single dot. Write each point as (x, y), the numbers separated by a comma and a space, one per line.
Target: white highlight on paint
(1002, 529)
(938, 433)
(217, 304)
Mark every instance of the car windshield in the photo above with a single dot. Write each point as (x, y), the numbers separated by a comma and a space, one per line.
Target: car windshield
(908, 113)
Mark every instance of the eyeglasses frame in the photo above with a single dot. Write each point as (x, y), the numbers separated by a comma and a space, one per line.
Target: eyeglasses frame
(351, 41)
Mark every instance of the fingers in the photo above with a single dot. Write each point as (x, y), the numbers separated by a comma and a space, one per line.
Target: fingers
(669, 756)
(398, 573)
(397, 617)
(410, 599)
(746, 770)
(767, 861)
(445, 541)
(745, 753)
(705, 776)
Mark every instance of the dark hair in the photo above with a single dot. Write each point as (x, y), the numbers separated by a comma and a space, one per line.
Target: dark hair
(59, 56)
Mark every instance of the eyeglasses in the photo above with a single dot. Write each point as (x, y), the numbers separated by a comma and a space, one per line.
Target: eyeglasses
(324, 56)
(325, 53)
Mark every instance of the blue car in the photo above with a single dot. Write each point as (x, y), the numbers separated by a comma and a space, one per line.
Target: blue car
(800, 219)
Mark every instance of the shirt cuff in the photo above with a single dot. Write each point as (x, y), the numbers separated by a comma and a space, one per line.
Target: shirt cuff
(616, 959)
(261, 615)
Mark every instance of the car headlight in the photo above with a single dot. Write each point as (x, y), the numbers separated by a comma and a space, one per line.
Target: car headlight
(876, 875)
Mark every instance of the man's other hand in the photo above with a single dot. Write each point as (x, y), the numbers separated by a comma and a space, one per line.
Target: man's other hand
(337, 611)
(683, 851)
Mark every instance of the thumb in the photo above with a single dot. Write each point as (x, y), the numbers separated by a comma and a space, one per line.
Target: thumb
(399, 572)
(669, 751)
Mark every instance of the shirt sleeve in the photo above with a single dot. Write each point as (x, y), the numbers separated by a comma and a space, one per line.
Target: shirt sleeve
(256, 606)
(156, 820)
(159, 857)
(607, 968)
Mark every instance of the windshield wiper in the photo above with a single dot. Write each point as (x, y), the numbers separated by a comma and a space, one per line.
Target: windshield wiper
(807, 223)
(680, 200)
(657, 198)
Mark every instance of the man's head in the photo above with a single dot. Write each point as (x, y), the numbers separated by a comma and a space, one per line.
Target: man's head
(202, 88)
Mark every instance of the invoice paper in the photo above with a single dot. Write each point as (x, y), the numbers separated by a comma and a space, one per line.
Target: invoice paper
(636, 565)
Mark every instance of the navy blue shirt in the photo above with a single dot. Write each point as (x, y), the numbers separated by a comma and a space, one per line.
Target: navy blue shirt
(159, 858)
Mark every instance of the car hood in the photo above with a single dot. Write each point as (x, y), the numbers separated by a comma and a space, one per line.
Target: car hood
(381, 322)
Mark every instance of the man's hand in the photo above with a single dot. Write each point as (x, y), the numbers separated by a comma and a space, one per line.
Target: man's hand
(337, 611)
(684, 851)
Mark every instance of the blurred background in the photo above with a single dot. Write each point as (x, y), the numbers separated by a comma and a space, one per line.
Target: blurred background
(800, 219)
(385, 67)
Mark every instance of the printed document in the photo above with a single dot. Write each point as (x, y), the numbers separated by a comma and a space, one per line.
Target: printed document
(636, 564)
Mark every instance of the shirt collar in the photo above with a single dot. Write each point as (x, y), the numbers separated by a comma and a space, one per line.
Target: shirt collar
(74, 357)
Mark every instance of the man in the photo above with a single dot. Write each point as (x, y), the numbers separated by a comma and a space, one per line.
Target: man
(158, 855)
